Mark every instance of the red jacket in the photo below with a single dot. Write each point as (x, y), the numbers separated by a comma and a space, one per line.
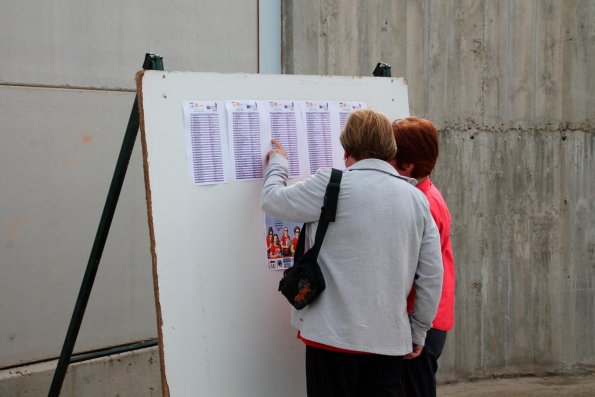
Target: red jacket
(445, 317)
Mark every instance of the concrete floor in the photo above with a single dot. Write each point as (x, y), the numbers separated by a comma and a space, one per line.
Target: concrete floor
(550, 386)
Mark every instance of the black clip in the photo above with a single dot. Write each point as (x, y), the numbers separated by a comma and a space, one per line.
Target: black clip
(382, 70)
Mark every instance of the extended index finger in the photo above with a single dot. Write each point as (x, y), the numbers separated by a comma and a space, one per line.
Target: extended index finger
(277, 144)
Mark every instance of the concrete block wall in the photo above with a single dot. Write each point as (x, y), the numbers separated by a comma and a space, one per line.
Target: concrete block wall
(510, 86)
(121, 375)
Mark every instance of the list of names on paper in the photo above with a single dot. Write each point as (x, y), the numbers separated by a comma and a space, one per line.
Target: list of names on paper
(284, 128)
(202, 120)
(246, 144)
(227, 140)
(318, 130)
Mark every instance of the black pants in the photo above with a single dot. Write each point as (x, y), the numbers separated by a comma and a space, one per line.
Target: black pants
(334, 374)
(419, 374)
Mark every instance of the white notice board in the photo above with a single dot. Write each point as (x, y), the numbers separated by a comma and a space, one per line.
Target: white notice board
(223, 327)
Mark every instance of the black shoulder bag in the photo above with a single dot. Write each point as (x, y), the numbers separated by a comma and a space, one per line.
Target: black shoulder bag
(303, 282)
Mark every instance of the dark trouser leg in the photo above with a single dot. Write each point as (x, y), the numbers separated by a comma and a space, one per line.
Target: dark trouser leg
(419, 374)
(330, 374)
(334, 374)
(381, 376)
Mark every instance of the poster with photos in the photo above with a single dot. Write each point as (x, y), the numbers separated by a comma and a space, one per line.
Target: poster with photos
(281, 239)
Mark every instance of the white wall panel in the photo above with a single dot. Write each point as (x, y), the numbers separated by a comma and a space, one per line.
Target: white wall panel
(58, 150)
(98, 43)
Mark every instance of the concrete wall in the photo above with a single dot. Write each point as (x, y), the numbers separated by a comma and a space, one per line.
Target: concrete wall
(132, 374)
(66, 91)
(510, 84)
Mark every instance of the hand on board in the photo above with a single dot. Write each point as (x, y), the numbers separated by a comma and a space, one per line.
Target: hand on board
(277, 148)
(415, 353)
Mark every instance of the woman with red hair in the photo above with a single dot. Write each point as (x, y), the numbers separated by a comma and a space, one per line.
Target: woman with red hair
(417, 151)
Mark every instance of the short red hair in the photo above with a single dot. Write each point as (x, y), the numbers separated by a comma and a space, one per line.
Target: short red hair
(417, 144)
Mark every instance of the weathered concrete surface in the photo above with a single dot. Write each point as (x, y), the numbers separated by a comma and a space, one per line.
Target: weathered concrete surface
(129, 374)
(553, 386)
(523, 234)
(495, 64)
(510, 85)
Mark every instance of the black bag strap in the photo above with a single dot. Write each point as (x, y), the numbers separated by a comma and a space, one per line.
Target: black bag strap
(299, 247)
(327, 214)
(329, 208)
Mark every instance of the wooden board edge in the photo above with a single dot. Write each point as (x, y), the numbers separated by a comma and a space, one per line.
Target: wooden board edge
(139, 93)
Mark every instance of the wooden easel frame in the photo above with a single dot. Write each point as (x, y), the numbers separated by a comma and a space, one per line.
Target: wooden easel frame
(152, 62)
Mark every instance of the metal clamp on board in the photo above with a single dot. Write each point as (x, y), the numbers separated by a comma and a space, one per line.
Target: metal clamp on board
(382, 70)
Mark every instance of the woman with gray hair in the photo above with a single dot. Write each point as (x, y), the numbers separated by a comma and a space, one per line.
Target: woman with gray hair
(383, 239)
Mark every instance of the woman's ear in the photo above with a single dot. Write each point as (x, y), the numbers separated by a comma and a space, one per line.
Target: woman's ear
(406, 169)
